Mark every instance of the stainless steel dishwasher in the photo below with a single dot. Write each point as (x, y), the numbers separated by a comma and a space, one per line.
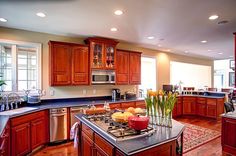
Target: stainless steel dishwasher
(58, 124)
(73, 112)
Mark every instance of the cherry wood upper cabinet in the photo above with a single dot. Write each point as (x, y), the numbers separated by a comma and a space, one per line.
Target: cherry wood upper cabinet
(122, 69)
(135, 68)
(80, 68)
(102, 53)
(60, 64)
(68, 64)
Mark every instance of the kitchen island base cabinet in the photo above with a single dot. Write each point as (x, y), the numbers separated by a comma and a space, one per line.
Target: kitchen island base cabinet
(228, 138)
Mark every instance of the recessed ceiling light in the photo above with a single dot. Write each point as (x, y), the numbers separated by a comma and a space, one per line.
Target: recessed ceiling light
(204, 41)
(220, 53)
(209, 50)
(113, 29)
(40, 14)
(213, 17)
(159, 45)
(118, 12)
(186, 51)
(168, 50)
(150, 37)
(3, 20)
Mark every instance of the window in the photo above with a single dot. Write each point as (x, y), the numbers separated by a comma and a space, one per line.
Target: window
(148, 74)
(20, 65)
(192, 75)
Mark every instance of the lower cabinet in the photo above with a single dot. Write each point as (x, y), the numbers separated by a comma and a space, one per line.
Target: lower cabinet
(126, 105)
(5, 141)
(20, 141)
(201, 109)
(211, 111)
(87, 145)
(28, 132)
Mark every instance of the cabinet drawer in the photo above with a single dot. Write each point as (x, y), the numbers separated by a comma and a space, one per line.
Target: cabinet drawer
(201, 100)
(87, 131)
(26, 118)
(127, 105)
(141, 104)
(115, 105)
(188, 99)
(103, 145)
(211, 102)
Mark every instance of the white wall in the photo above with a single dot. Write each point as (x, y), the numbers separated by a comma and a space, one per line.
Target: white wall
(192, 75)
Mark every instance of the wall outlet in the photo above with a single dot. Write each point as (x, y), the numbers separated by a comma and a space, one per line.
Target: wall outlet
(52, 92)
(84, 91)
(94, 91)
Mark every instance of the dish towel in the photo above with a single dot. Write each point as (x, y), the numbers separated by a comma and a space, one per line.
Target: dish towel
(74, 134)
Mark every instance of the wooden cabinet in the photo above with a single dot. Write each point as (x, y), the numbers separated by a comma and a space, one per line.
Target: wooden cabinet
(189, 105)
(126, 105)
(140, 104)
(87, 145)
(178, 108)
(5, 141)
(115, 105)
(28, 132)
(20, 141)
(102, 146)
(211, 110)
(102, 53)
(201, 106)
(122, 70)
(228, 137)
(60, 64)
(135, 68)
(80, 69)
(68, 64)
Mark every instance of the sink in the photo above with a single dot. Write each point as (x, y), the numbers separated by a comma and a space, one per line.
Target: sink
(18, 111)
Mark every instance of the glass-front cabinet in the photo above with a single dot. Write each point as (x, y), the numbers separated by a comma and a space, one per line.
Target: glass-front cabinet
(102, 53)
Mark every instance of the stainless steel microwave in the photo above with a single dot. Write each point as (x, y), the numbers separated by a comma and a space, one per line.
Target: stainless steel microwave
(103, 77)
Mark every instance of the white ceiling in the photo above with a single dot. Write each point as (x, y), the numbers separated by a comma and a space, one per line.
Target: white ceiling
(181, 23)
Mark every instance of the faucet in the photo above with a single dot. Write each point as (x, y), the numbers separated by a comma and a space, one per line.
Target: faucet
(8, 101)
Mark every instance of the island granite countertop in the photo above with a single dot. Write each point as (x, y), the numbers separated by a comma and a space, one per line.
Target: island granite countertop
(231, 115)
(129, 147)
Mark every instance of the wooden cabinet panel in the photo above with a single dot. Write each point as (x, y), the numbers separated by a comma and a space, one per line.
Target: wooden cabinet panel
(135, 68)
(179, 107)
(80, 68)
(229, 135)
(201, 109)
(60, 64)
(140, 104)
(103, 145)
(87, 145)
(5, 146)
(211, 111)
(126, 105)
(211, 101)
(38, 132)
(86, 130)
(115, 105)
(20, 140)
(122, 69)
(187, 107)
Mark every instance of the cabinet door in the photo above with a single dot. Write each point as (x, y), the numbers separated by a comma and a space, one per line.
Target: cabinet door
(60, 65)
(140, 104)
(201, 109)
(135, 68)
(211, 111)
(87, 145)
(38, 132)
(187, 107)
(80, 70)
(179, 107)
(99, 152)
(122, 69)
(20, 140)
(97, 55)
(109, 56)
(193, 107)
(126, 105)
(174, 112)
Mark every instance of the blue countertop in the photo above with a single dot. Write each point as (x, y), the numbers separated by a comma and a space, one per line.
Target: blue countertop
(59, 103)
(129, 147)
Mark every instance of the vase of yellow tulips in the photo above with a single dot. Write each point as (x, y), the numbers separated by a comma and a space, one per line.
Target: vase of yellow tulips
(160, 106)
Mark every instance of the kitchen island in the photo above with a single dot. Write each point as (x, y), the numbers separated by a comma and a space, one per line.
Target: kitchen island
(228, 137)
(94, 140)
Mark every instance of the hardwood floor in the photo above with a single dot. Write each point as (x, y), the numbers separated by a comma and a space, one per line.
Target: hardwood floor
(213, 148)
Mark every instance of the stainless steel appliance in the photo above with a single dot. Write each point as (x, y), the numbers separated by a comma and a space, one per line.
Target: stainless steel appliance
(115, 94)
(73, 112)
(58, 124)
(103, 77)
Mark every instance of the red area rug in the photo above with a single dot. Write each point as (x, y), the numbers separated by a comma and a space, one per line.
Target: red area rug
(195, 136)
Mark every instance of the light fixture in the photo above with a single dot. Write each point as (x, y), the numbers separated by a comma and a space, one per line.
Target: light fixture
(150, 37)
(168, 50)
(213, 17)
(220, 53)
(118, 12)
(40, 14)
(186, 51)
(113, 29)
(209, 50)
(3, 20)
(204, 41)
(159, 45)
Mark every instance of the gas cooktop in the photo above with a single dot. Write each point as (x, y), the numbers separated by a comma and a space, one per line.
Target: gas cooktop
(117, 131)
